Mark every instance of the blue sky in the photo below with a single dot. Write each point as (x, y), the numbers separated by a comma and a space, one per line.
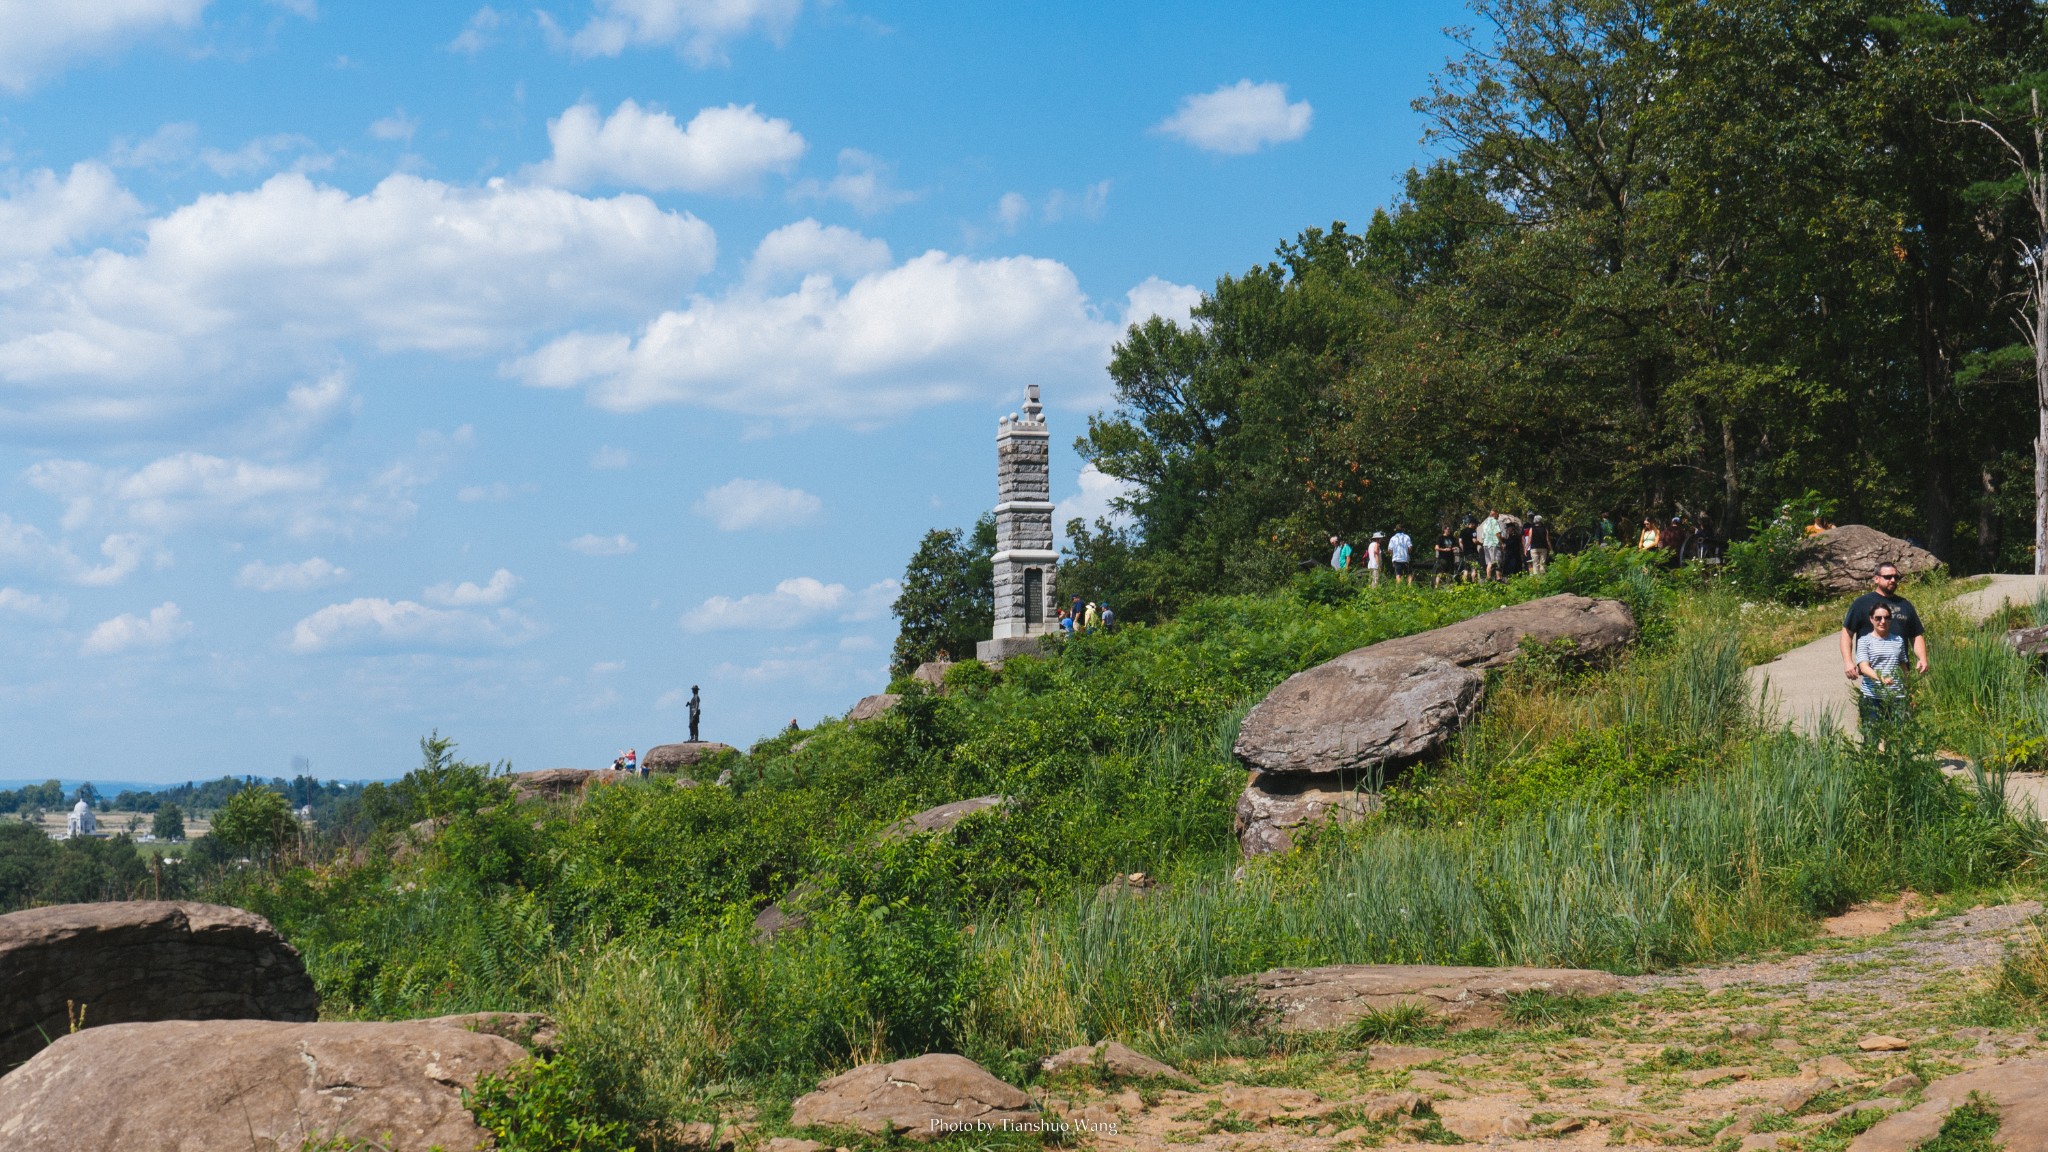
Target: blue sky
(378, 368)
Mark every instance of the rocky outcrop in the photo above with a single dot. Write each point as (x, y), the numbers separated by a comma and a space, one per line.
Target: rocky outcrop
(178, 1085)
(922, 1098)
(942, 818)
(933, 672)
(1317, 999)
(1403, 698)
(560, 783)
(677, 757)
(1271, 808)
(1843, 559)
(2019, 1091)
(115, 963)
(1114, 1060)
(872, 706)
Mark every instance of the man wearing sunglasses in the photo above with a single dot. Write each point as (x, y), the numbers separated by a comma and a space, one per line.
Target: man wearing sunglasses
(1905, 620)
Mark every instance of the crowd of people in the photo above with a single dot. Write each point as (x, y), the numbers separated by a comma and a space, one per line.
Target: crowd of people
(1501, 544)
(1086, 616)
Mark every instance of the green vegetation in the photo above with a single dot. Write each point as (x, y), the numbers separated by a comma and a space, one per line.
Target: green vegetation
(1628, 817)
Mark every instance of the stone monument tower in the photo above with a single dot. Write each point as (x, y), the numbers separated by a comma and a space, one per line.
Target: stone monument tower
(1026, 606)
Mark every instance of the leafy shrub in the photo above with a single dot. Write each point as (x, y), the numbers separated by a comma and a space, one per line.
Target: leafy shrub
(545, 1106)
(1765, 566)
(256, 821)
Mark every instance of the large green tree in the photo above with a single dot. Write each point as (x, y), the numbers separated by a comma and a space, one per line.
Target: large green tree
(1677, 258)
(948, 602)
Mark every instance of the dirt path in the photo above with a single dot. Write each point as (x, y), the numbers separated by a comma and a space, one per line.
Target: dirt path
(1748, 1056)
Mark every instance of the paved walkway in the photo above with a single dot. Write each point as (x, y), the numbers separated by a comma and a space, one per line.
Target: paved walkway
(1806, 690)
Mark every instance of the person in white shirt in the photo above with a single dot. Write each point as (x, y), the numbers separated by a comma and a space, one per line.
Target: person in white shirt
(1879, 653)
(1375, 556)
(1399, 550)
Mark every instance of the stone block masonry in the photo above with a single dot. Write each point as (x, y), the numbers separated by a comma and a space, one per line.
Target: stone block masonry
(1026, 601)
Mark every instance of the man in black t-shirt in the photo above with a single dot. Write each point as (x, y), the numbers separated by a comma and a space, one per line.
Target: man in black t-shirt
(1468, 549)
(1905, 620)
(1446, 555)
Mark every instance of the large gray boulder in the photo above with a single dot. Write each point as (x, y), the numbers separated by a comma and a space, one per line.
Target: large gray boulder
(182, 1086)
(872, 707)
(1843, 559)
(922, 1098)
(140, 960)
(1403, 698)
(560, 783)
(1316, 999)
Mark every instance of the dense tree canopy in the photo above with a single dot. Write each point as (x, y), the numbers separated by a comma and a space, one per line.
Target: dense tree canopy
(1676, 258)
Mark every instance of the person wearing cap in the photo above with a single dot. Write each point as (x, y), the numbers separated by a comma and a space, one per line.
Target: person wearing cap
(1375, 556)
(1537, 540)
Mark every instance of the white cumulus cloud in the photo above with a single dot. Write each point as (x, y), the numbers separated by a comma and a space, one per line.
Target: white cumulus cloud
(25, 547)
(1239, 118)
(794, 603)
(1162, 298)
(240, 286)
(935, 329)
(698, 29)
(38, 37)
(724, 149)
(1095, 500)
(794, 251)
(470, 595)
(304, 576)
(177, 490)
(43, 213)
(741, 504)
(376, 624)
(164, 625)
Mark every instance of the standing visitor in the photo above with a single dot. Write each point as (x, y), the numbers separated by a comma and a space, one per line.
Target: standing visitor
(1400, 549)
(1539, 545)
(1074, 611)
(1648, 541)
(1489, 542)
(1905, 620)
(1605, 531)
(1468, 550)
(1340, 555)
(1878, 655)
(1446, 556)
(1066, 622)
(1375, 556)
(1093, 620)
(633, 763)
(1108, 619)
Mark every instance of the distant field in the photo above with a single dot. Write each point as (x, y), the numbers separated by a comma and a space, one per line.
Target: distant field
(55, 823)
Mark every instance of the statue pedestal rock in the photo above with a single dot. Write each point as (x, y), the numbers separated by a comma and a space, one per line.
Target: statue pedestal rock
(1024, 558)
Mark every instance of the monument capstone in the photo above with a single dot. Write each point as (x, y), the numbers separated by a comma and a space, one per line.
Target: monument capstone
(1026, 605)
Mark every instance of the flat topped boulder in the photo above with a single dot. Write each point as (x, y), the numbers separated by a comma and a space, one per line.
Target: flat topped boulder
(942, 818)
(560, 783)
(871, 707)
(922, 1098)
(673, 757)
(181, 1086)
(1403, 698)
(1271, 809)
(140, 960)
(1844, 559)
(933, 672)
(1317, 999)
